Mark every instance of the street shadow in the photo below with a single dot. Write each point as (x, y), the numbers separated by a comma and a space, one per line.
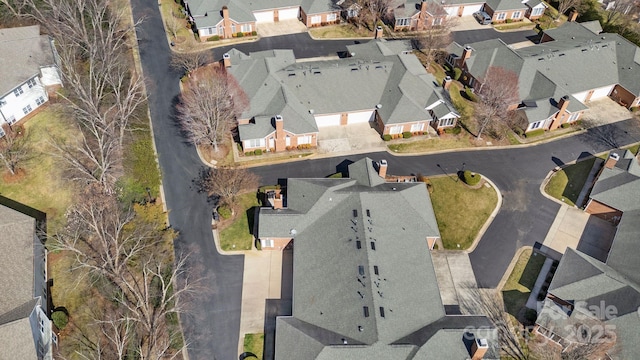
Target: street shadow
(279, 307)
(343, 168)
(584, 155)
(557, 161)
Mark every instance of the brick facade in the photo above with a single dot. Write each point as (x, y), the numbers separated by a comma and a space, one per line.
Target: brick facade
(603, 211)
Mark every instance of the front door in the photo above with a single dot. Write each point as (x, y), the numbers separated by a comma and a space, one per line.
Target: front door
(287, 141)
(272, 143)
(275, 15)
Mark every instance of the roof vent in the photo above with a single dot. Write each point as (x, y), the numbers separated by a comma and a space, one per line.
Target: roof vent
(311, 111)
(360, 328)
(379, 106)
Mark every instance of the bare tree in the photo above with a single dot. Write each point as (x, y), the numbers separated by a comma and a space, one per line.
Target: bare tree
(209, 106)
(564, 5)
(190, 61)
(227, 183)
(498, 91)
(14, 149)
(173, 25)
(618, 9)
(435, 37)
(369, 12)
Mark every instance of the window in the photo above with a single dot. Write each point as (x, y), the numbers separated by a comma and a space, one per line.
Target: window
(304, 139)
(11, 119)
(266, 243)
(366, 311)
(417, 127)
(1, 132)
(253, 143)
(31, 83)
(574, 116)
(501, 16)
(373, 245)
(331, 17)
(361, 270)
(233, 28)
(516, 15)
(17, 92)
(437, 21)
(40, 101)
(245, 28)
(395, 130)
(402, 22)
(316, 19)
(536, 125)
(375, 270)
(27, 109)
(537, 11)
(447, 122)
(221, 30)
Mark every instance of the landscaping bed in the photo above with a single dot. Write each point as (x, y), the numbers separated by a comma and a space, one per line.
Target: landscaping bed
(566, 184)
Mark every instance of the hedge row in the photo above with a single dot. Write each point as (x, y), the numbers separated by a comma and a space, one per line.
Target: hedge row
(534, 133)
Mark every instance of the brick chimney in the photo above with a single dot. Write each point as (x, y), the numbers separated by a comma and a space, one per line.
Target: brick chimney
(226, 60)
(612, 160)
(446, 83)
(423, 14)
(573, 15)
(562, 105)
(226, 22)
(479, 349)
(277, 199)
(280, 135)
(382, 168)
(466, 54)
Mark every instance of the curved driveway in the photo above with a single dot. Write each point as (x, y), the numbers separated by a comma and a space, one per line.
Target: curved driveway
(212, 326)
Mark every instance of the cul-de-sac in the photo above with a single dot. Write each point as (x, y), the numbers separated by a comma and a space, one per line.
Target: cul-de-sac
(319, 179)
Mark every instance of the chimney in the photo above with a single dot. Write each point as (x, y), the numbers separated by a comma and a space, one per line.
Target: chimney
(479, 349)
(423, 6)
(277, 199)
(382, 168)
(612, 160)
(466, 54)
(446, 83)
(226, 60)
(279, 127)
(378, 32)
(573, 16)
(226, 22)
(562, 105)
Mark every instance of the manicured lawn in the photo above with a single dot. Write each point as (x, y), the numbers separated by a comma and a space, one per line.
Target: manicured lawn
(41, 185)
(565, 185)
(460, 210)
(254, 343)
(237, 236)
(430, 145)
(518, 287)
(339, 31)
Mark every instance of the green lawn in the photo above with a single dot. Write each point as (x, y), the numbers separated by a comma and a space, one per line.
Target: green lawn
(518, 287)
(460, 210)
(339, 32)
(566, 184)
(237, 235)
(426, 145)
(254, 343)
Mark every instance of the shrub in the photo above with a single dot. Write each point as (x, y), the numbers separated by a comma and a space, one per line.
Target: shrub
(518, 131)
(248, 153)
(60, 319)
(224, 211)
(470, 94)
(407, 134)
(457, 72)
(304, 146)
(254, 33)
(565, 125)
(509, 21)
(213, 38)
(534, 133)
(470, 178)
(453, 130)
(386, 137)
(240, 34)
(531, 315)
(258, 152)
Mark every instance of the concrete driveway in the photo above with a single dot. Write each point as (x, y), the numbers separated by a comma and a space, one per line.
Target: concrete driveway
(573, 228)
(349, 139)
(282, 27)
(605, 111)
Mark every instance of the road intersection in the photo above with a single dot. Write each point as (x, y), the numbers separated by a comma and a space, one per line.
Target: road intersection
(212, 326)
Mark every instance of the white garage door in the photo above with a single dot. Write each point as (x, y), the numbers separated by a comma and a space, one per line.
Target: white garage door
(581, 96)
(328, 120)
(263, 16)
(360, 117)
(601, 92)
(452, 10)
(286, 14)
(470, 9)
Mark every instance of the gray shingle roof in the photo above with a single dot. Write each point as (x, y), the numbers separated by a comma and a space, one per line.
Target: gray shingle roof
(17, 236)
(23, 51)
(17, 340)
(360, 246)
(504, 5)
(614, 186)
(378, 73)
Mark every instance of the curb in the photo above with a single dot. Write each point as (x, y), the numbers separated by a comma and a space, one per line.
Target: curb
(512, 264)
(216, 241)
(489, 221)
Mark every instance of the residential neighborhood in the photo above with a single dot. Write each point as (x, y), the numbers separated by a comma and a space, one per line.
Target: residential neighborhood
(319, 180)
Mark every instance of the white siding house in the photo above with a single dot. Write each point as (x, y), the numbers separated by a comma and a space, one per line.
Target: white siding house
(25, 84)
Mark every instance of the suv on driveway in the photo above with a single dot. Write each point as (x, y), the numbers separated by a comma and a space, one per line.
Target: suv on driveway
(482, 17)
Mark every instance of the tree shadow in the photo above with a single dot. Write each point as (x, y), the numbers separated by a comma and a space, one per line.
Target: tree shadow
(246, 355)
(252, 218)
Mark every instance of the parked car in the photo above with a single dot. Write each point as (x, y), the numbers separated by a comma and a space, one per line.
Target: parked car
(482, 17)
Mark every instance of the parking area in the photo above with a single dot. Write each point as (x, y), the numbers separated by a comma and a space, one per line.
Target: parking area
(605, 111)
(456, 281)
(284, 27)
(349, 139)
(468, 23)
(573, 228)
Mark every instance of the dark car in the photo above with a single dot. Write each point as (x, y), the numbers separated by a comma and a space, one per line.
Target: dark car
(482, 17)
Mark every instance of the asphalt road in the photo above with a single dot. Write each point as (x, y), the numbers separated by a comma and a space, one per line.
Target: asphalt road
(212, 326)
